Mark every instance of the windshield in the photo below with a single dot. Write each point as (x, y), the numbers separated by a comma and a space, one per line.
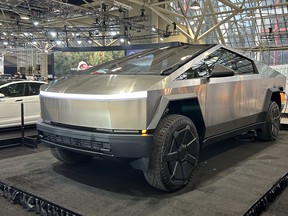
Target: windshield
(148, 62)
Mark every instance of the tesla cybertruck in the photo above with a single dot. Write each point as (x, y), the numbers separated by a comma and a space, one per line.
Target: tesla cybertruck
(159, 108)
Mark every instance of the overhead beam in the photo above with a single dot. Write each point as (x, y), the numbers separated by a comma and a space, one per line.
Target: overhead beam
(230, 4)
(218, 24)
(165, 18)
(215, 20)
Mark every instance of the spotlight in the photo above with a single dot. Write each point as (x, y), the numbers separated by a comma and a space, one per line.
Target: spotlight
(195, 5)
(142, 11)
(174, 26)
(24, 17)
(53, 34)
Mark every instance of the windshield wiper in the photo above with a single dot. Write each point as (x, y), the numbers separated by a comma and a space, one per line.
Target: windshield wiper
(169, 70)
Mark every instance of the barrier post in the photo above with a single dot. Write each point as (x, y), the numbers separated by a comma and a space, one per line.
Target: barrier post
(28, 141)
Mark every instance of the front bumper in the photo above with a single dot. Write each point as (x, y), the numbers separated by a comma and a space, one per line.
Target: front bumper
(95, 143)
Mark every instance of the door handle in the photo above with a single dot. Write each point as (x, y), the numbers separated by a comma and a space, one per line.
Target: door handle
(18, 100)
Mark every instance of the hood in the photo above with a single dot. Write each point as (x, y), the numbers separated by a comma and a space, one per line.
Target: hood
(102, 84)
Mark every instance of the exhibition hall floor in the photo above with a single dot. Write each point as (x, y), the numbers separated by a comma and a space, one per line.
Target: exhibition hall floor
(231, 176)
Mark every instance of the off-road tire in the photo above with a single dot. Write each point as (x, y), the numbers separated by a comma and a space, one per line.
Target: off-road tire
(174, 154)
(69, 157)
(271, 128)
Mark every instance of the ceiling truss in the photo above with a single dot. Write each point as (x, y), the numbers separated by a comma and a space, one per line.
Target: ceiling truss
(247, 24)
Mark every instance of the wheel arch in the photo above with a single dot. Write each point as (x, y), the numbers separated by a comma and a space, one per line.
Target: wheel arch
(183, 104)
(273, 94)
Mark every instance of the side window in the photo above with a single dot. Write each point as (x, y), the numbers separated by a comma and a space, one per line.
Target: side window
(198, 70)
(234, 61)
(4, 91)
(34, 88)
(238, 63)
(16, 90)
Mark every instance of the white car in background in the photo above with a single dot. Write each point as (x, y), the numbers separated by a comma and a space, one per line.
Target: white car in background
(12, 94)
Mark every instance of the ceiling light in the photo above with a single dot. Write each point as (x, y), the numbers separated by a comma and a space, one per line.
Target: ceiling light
(122, 40)
(1, 24)
(53, 34)
(35, 23)
(24, 17)
(5, 43)
(153, 29)
(79, 41)
(122, 5)
(58, 42)
(195, 5)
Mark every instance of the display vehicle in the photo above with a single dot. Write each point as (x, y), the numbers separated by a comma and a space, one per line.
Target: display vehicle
(12, 94)
(159, 107)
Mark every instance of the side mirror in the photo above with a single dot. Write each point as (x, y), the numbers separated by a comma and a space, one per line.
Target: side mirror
(221, 71)
(2, 95)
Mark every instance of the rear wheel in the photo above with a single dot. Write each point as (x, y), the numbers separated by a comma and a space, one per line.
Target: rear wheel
(69, 157)
(271, 128)
(175, 153)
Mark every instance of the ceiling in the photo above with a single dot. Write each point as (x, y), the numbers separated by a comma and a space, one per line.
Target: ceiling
(251, 25)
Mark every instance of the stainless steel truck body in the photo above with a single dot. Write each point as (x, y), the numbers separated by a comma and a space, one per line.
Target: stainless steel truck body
(159, 107)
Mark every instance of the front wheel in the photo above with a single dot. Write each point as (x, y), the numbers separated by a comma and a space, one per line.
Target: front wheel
(69, 157)
(174, 155)
(271, 128)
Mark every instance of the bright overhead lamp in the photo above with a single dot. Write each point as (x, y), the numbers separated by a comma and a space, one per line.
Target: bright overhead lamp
(53, 34)
(24, 17)
(195, 5)
(36, 23)
(122, 5)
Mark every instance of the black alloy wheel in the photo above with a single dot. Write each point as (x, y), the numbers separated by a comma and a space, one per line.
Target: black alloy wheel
(175, 153)
(271, 128)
